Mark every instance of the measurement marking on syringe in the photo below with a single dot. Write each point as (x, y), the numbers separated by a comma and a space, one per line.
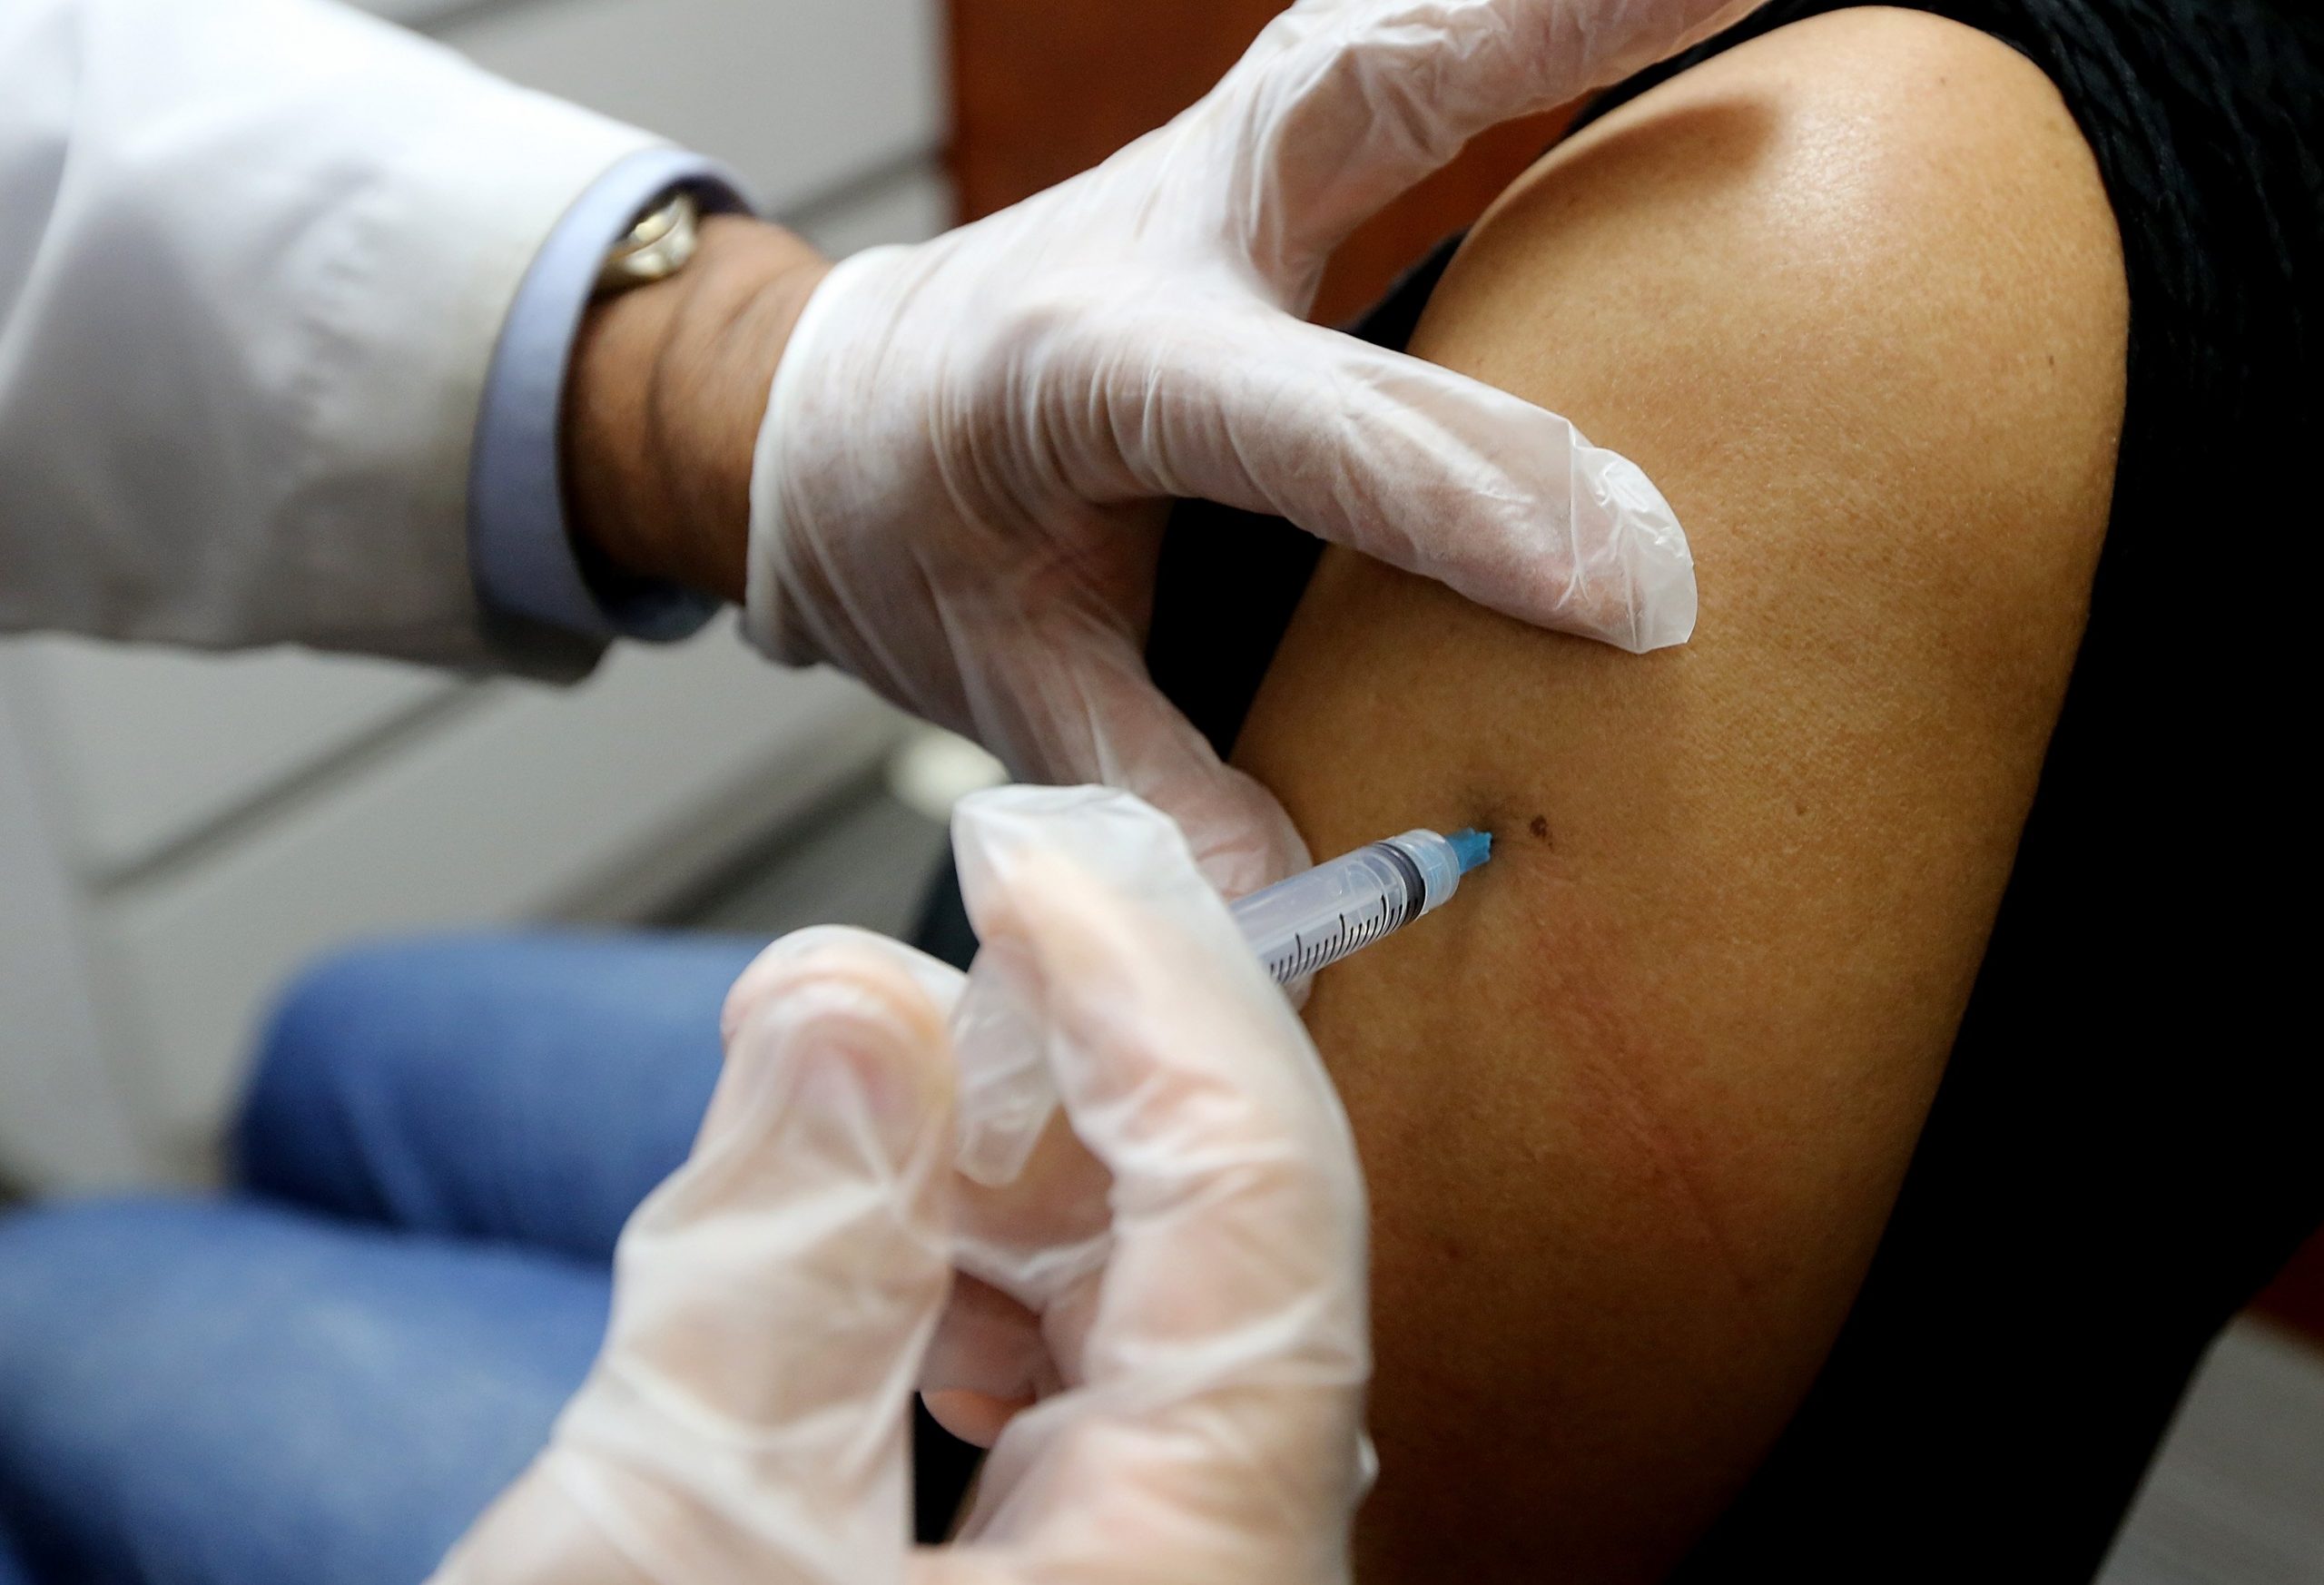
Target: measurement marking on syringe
(1348, 934)
(1311, 920)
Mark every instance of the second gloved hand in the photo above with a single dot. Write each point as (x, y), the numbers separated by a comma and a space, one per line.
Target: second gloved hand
(957, 485)
(775, 1299)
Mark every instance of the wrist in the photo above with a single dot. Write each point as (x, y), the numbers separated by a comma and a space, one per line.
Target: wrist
(664, 397)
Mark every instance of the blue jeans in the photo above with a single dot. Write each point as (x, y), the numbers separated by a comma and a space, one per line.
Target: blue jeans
(324, 1378)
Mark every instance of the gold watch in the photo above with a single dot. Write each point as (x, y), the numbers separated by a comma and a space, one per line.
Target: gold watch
(656, 248)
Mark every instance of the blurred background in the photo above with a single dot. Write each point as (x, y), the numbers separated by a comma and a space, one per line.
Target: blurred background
(178, 833)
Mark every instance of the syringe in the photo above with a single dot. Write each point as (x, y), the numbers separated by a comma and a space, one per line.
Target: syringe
(1295, 926)
(1321, 915)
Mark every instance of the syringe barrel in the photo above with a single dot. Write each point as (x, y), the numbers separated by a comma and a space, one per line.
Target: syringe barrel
(1321, 915)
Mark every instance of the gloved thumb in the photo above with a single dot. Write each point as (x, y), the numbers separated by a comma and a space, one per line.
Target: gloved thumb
(1413, 465)
(748, 1416)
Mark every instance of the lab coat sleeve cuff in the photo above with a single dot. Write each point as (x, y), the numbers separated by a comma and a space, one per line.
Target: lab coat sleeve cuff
(530, 580)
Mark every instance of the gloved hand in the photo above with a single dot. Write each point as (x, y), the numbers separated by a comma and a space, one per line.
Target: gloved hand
(955, 493)
(746, 1421)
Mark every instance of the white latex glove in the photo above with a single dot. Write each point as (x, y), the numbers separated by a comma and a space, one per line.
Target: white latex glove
(956, 491)
(1031, 1196)
(746, 1421)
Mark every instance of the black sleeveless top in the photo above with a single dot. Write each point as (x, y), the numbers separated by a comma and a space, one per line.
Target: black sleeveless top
(2129, 1138)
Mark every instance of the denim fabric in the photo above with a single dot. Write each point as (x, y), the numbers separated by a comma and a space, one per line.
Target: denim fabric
(529, 1089)
(324, 1378)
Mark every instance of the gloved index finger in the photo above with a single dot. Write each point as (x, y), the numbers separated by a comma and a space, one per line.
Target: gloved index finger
(1359, 101)
(1186, 1075)
(1216, 1389)
(1182, 1068)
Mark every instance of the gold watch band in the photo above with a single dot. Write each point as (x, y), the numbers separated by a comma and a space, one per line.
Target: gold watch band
(656, 248)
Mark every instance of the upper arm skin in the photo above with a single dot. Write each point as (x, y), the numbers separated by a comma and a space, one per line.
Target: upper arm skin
(1635, 1108)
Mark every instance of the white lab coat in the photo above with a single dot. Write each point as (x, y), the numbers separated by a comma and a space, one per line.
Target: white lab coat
(254, 258)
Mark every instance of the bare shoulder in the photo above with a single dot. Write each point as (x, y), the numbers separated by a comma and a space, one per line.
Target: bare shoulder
(1871, 245)
(1635, 1110)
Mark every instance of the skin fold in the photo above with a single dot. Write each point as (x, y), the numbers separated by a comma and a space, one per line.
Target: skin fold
(1634, 1109)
